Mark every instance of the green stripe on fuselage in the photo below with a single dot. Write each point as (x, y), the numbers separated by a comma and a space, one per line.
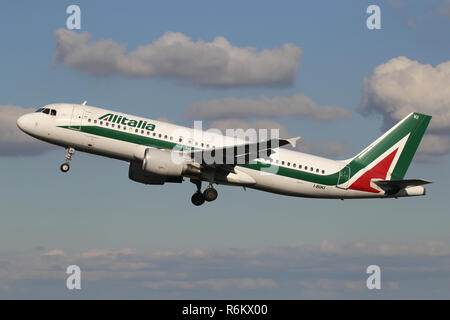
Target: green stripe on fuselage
(153, 142)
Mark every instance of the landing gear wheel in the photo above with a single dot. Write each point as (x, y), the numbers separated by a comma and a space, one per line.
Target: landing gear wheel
(65, 167)
(210, 194)
(198, 199)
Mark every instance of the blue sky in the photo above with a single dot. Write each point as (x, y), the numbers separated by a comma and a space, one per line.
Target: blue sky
(96, 207)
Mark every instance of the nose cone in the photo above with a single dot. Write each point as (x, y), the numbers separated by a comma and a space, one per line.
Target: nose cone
(24, 123)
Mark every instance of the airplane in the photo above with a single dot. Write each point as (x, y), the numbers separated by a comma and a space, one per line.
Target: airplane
(160, 152)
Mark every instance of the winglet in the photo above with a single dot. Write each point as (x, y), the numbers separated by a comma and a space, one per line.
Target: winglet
(84, 103)
(293, 141)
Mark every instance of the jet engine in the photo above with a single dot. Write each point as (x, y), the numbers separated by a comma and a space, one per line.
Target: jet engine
(160, 166)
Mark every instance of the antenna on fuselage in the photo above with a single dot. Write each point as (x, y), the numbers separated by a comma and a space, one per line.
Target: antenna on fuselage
(84, 103)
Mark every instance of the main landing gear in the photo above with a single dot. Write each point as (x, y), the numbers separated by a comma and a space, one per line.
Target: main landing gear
(199, 198)
(65, 166)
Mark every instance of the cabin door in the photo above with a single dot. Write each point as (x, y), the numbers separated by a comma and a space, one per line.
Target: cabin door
(344, 178)
(77, 117)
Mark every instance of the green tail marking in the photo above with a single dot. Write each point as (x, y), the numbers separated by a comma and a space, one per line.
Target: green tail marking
(415, 125)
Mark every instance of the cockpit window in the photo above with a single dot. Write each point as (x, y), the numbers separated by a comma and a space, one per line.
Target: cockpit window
(47, 111)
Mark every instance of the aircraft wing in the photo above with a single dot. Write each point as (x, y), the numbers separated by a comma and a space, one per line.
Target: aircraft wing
(393, 186)
(239, 154)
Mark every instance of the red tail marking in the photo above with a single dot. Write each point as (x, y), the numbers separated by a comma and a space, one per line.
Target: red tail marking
(379, 171)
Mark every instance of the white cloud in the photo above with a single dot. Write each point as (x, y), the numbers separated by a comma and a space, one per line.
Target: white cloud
(435, 144)
(298, 105)
(401, 86)
(14, 142)
(431, 248)
(175, 55)
(103, 253)
(157, 285)
(324, 270)
(55, 252)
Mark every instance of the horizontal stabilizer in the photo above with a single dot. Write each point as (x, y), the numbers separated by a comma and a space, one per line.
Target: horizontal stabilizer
(393, 186)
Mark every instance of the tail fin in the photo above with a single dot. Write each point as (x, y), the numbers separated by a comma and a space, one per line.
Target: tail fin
(390, 155)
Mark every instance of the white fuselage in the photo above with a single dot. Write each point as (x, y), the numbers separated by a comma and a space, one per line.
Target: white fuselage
(80, 127)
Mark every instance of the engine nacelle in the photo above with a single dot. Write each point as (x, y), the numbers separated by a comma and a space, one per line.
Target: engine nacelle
(160, 162)
(158, 167)
(136, 173)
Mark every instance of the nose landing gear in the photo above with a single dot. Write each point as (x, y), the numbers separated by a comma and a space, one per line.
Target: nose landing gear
(66, 166)
(199, 198)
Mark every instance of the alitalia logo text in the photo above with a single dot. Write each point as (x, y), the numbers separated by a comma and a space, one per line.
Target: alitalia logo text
(111, 117)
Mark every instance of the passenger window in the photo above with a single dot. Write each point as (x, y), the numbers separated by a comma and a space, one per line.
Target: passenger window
(180, 140)
(171, 138)
(312, 169)
(107, 124)
(148, 133)
(118, 126)
(113, 125)
(282, 162)
(323, 171)
(101, 123)
(294, 165)
(136, 130)
(95, 121)
(165, 136)
(159, 135)
(317, 170)
(306, 167)
(299, 166)
(142, 131)
(289, 164)
(89, 120)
